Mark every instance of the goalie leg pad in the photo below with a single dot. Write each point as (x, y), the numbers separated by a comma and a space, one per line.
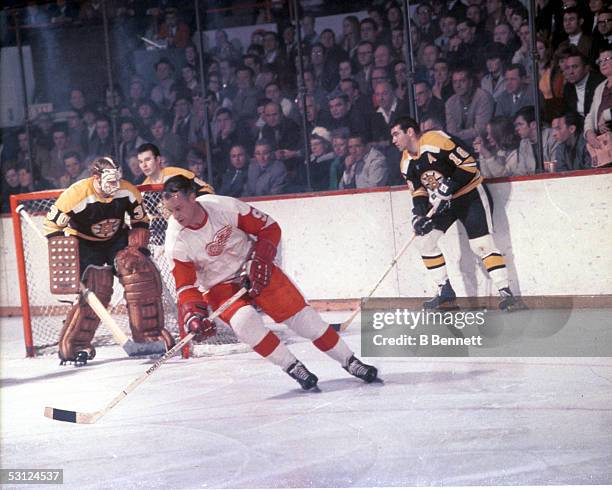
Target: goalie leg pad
(143, 287)
(82, 322)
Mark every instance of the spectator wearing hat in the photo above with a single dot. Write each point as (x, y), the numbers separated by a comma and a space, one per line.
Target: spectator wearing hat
(321, 157)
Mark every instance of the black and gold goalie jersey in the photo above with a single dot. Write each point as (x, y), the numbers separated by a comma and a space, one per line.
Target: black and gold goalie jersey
(80, 211)
(440, 156)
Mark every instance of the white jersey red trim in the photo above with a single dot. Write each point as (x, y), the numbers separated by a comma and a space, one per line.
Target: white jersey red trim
(215, 252)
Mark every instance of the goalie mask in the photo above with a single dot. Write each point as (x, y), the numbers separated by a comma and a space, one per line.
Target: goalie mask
(110, 175)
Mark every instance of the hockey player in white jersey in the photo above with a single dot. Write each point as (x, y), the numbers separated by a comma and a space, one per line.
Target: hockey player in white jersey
(218, 244)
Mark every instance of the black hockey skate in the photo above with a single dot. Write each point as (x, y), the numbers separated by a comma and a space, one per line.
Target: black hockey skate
(80, 359)
(360, 370)
(509, 302)
(298, 371)
(446, 297)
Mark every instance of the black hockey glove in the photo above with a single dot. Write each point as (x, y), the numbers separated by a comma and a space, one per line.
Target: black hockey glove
(441, 198)
(422, 224)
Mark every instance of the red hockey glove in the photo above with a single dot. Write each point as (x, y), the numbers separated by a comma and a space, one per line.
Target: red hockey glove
(195, 319)
(256, 272)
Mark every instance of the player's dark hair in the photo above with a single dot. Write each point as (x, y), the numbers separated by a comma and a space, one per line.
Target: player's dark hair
(179, 184)
(149, 147)
(406, 122)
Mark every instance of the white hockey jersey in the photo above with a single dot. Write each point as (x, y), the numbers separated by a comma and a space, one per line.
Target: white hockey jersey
(216, 251)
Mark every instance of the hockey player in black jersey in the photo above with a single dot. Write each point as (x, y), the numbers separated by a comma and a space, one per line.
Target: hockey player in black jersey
(442, 173)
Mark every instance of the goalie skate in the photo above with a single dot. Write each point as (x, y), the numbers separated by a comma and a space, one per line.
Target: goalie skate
(302, 375)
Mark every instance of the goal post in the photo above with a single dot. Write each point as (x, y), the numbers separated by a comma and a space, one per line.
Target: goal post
(43, 313)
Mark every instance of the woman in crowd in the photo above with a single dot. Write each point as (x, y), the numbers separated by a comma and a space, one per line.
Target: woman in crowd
(498, 149)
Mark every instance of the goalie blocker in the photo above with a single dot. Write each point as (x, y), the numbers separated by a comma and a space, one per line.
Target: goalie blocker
(93, 211)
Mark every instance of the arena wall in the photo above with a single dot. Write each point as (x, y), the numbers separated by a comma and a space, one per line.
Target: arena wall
(555, 231)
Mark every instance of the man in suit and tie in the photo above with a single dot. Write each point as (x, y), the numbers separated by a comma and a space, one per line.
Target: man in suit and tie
(517, 93)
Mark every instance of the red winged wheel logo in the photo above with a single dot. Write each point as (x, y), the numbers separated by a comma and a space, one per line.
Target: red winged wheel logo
(217, 245)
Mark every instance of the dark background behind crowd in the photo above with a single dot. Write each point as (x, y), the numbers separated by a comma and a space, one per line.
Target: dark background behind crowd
(473, 79)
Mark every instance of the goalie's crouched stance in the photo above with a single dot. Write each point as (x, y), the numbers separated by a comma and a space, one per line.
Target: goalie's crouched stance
(93, 212)
(211, 248)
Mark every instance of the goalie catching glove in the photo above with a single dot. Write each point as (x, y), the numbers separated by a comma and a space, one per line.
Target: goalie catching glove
(195, 320)
(257, 272)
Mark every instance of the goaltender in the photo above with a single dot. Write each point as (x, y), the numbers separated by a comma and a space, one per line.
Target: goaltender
(89, 220)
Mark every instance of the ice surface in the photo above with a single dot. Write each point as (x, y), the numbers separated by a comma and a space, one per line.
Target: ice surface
(240, 422)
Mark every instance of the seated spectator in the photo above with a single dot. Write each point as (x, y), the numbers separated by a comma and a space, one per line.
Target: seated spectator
(389, 107)
(188, 83)
(429, 54)
(368, 31)
(427, 105)
(470, 109)
(169, 144)
(74, 171)
(223, 48)
(364, 167)
(226, 136)
(580, 81)
(77, 100)
(182, 124)
(573, 19)
(521, 55)
(234, 179)
(431, 123)
(41, 132)
(571, 154)
(136, 173)
(102, 143)
(448, 29)
(75, 128)
(516, 94)
(427, 27)
(365, 63)
(598, 119)
(378, 75)
(164, 92)
(89, 129)
(195, 162)
(266, 176)
(55, 168)
(442, 88)
(31, 181)
(284, 135)
(360, 103)
(244, 104)
(10, 186)
(129, 140)
(350, 34)
(137, 94)
(272, 53)
(399, 71)
(273, 92)
(321, 156)
(325, 72)
(504, 35)
(333, 53)
(40, 155)
(526, 128)
(493, 80)
(342, 116)
(340, 147)
(498, 150)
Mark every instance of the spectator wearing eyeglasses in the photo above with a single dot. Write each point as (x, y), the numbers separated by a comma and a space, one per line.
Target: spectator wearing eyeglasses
(603, 31)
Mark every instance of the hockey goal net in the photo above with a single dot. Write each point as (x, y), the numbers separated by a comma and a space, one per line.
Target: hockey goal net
(43, 312)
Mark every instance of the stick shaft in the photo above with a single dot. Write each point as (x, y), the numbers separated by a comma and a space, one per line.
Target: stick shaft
(349, 320)
(170, 353)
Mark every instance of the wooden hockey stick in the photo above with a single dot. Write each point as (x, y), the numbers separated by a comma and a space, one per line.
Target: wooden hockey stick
(93, 417)
(341, 327)
(131, 348)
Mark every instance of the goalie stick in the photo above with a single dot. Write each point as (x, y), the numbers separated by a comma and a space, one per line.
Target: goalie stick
(93, 417)
(129, 346)
(341, 327)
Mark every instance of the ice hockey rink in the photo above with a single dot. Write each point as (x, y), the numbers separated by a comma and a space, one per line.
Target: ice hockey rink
(239, 422)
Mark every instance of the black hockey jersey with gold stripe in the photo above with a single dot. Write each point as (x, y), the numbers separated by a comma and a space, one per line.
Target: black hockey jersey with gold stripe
(439, 156)
(80, 211)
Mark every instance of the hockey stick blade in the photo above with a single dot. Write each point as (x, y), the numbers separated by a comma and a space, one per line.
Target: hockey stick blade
(92, 417)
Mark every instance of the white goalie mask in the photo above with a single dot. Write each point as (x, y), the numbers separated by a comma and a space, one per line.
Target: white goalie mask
(110, 180)
(110, 175)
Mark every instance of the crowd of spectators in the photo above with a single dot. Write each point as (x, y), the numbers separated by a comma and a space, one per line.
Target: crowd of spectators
(472, 79)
